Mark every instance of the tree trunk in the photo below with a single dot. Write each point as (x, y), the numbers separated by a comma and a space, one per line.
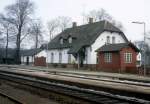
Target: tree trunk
(36, 41)
(17, 55)
(6, 49)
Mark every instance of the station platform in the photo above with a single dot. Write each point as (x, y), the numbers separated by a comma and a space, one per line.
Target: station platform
(124, 76)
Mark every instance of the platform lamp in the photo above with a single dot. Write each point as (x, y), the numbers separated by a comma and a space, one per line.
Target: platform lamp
(47, 54)
(144, 24)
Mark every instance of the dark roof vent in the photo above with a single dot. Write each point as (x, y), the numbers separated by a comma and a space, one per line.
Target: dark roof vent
(90, 20)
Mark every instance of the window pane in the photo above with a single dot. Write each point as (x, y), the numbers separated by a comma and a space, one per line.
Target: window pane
(108, 57)
(61, 41)
(108, 39)
(113, 40)
(70, 40)
(128, 57)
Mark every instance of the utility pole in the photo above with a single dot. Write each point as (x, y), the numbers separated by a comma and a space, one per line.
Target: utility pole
(144, 44)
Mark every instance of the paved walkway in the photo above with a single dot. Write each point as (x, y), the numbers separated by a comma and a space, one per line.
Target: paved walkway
(97, 73)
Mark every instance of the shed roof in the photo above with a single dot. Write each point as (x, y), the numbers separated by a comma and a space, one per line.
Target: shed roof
(30, 52)
(116, 47)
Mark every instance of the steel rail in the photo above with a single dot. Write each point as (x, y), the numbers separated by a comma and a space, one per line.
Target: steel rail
(74, 90)
(10, 98)
(98, 78)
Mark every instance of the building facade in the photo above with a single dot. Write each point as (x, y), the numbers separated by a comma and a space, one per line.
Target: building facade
(28, 56)
(77, 45)
(117, 57)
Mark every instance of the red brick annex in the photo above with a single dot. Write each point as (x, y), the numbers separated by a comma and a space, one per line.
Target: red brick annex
(117, 57)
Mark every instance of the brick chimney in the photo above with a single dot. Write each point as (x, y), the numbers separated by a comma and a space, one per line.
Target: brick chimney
(90, 20)
(74, 24)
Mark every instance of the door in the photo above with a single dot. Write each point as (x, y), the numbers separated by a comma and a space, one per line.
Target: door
(27, 61)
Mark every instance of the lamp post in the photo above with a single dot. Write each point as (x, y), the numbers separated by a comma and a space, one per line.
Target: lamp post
(47, 54)
(144, 44)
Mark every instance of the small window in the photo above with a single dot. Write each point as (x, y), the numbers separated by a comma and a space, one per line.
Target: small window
(128, 57)
(108, 57)
(60, 57)
(70, 40)
(113, 40)
(61, 41)
(52, 57)
(108, 40)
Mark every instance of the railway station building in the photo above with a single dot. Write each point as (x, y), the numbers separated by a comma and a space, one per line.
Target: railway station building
(76, 46)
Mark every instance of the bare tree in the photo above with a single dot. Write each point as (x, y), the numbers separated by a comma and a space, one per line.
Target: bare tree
(8, 31)
(36, 32)
(64, 22)
(52, 28)
(6, 28)
(1, 41)
(101, 14)
(18, 14)
(118, 24)
(57, 25)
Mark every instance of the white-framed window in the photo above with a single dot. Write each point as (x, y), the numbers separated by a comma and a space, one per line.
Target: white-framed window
(113, 40)
(61, 41)
(70, 39)
(52, 57)
(108, 57)
(108, 40)
(128, 57)
(60, 57)
(69, 58)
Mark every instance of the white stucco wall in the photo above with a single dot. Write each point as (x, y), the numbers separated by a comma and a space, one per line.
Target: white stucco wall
(56, 52)
(24, 59)
(101, 40)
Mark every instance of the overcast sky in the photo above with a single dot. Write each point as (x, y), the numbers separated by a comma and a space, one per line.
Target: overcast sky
(124, 11)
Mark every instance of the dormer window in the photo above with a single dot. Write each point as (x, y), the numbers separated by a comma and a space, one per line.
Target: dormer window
(70, 39)
(61, 41)
(113, 40)
(108, 40)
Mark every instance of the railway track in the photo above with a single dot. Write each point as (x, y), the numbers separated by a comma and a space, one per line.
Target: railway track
(92, 77)
(6, 99)
(93, 96)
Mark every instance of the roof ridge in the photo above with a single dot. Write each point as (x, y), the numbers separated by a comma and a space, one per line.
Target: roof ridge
(85, 24)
